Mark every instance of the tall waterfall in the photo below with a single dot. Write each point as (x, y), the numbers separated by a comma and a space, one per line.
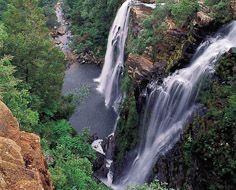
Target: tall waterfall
(169, 106)
(109, 80)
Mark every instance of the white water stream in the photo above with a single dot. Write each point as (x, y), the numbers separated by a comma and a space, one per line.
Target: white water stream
(170, 105)
(109, 80)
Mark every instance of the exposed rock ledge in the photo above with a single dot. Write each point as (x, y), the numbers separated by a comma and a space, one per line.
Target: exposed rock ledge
(138, 66)
(22, 165)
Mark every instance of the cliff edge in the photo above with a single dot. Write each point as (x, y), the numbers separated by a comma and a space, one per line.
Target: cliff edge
(22, 164)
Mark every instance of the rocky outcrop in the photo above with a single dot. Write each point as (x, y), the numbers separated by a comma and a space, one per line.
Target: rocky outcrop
(203, 18)
(138, 14)
(22, 164)
(175, 46)
(233, 5)
(139, 66)
(89, 57)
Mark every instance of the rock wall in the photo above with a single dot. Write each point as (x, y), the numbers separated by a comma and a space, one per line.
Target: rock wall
(233, 5)
(22, 164)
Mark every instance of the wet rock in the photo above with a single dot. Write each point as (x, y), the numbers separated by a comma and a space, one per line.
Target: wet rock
(89, 57)
(71, 57)
(57, 41)
(61, 30)
(233, 51)
(99, 161)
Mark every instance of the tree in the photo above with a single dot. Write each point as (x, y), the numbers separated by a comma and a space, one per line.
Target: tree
(17, 100)
(39, 64)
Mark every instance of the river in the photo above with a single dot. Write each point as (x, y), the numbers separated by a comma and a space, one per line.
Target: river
(91, 111)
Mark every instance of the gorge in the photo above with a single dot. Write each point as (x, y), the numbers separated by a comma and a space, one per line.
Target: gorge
(168, 107)
(117, 94)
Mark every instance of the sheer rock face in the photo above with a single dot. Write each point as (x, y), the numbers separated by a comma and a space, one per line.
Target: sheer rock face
(22, 165)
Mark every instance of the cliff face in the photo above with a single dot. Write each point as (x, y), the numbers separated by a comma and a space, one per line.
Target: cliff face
(22, 165)
(176, 45)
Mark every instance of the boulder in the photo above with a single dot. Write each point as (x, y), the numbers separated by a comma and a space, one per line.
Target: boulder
(61, 30)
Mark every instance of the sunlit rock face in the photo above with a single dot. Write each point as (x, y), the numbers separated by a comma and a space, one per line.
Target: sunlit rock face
(22, 164)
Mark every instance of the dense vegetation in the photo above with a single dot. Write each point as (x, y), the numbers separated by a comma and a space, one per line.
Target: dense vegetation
(91, 21)
(180, 16)
(155, 25)
(31, 77)
(210, 151)
(155, 185)
(127, 128)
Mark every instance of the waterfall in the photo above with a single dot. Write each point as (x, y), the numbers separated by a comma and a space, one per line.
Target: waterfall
(109, 80)
(169, 106)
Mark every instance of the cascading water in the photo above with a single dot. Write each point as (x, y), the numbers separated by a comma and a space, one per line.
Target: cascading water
(109, 80)
(170, 105)
(114, 60)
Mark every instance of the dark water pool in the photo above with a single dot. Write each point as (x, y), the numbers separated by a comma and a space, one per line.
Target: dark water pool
(91, 112)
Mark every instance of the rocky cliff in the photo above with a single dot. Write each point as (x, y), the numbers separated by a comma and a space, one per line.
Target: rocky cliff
(176, 45)
(22, 164)
(172, 51)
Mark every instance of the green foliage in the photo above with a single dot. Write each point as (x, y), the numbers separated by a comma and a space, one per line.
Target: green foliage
(3, 35)
(213, 149)
(184, 10)
(220, 8)
(74, 174)
(3, 6)
(33, 54)
(127, 127)
(126, 82)
(71, 167)
(49, 12)
(155, 26)
(31, 77)
(17, 100)
(156, 185)
(91, 21)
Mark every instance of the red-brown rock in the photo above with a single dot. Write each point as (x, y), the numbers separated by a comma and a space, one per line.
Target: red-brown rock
(22, 164)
